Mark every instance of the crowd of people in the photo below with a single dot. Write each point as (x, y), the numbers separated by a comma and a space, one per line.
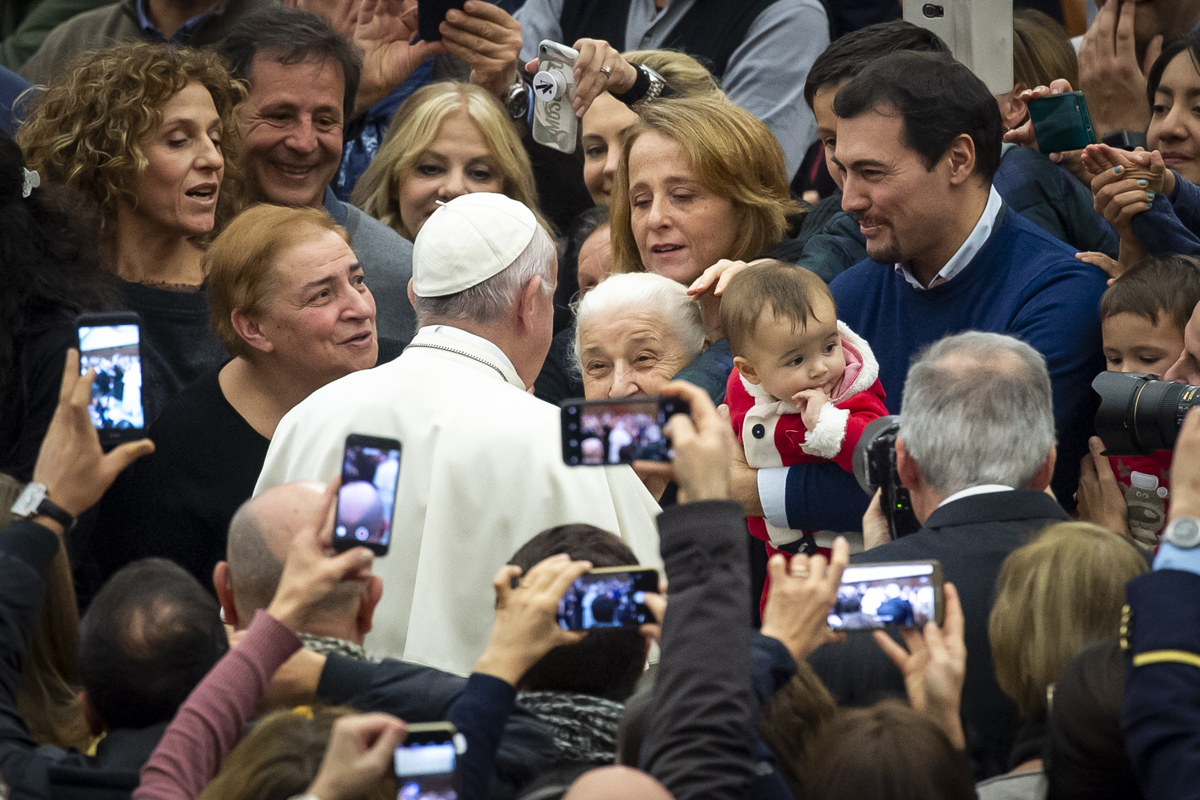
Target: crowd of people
(791, 218)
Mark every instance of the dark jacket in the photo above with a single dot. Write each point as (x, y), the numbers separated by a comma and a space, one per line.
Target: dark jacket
(26, 550)
(971, 537)
(699, 741)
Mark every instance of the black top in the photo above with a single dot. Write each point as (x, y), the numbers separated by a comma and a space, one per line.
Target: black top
(558, 379)
(971, 537)
(177, 344)
(30, 400)
(177, 502)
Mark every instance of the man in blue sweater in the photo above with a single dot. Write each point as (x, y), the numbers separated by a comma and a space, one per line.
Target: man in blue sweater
(919, 141)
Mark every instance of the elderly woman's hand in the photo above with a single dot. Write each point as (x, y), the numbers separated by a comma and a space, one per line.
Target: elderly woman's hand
(599, 68)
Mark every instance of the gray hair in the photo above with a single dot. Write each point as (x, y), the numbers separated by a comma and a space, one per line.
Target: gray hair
(978, 409)
(623, 294)
(492, 299)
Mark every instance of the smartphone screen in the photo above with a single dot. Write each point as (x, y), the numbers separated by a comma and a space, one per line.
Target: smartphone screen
(888, 596)
(110, 344)
(608, 598)
(1061, 122)
(426, 771)
(367, 497)
(617, 432)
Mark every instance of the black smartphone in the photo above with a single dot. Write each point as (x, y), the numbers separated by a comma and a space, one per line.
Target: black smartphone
(110, 344)
(612, 597)
(426, 763)
(430, 14)
(597, 432)
(891, 595)
(367, 497)
(1062, 122)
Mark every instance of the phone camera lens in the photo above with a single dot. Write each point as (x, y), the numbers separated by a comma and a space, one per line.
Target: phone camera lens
(933, 11)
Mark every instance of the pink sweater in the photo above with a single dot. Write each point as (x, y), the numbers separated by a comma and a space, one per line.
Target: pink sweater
(211, 720)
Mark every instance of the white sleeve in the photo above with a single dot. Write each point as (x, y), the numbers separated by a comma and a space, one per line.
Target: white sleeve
(772, 493)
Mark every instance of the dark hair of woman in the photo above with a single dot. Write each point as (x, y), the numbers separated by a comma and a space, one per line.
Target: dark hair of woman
(50, 270)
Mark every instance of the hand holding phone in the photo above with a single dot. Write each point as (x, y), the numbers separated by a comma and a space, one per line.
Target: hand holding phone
(889, 595)
(1061, 122)
(600, 432)
(367, 497)
(431, 13)
(110, 344)
(612, 597)
(426, 764)
(554, 122)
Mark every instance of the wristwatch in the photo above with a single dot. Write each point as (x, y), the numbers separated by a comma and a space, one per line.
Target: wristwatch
(647, 88)
(516, 100)
(1125, 140)
(1183, 533)
(33, 502)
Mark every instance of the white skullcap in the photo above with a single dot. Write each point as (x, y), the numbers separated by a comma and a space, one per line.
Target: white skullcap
(468, 240)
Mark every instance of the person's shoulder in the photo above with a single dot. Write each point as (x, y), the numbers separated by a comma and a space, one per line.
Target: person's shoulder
(369, 233)
(906, 548)
(792, 12)
(1035, 254)
(89, 30)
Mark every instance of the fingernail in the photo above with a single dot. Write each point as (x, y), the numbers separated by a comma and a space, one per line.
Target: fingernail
(1149, 195)
(1142, 182)
(1118, 169)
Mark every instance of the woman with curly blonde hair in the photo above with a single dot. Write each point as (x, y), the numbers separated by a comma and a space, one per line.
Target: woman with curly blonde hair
(144, 132)
(448, 139)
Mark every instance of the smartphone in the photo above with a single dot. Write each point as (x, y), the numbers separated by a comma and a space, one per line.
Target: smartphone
(430, 14)
(978, 32)
(1062, 122)
(598, 432)
(892, 595)
(554, 121)
(111, 345)
(367, 497)
(427, 763)
(612, 597)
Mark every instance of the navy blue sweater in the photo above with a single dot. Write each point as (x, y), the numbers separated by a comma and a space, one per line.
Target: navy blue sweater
(1024, 283)
(1170, 225)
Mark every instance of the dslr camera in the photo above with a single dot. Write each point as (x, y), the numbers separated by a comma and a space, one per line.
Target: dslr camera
(875, 468)
(1140, 414)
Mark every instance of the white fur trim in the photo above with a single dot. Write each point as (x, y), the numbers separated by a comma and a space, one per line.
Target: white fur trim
(825, 440)
(764, 404)
(781, 536)
(870, 367)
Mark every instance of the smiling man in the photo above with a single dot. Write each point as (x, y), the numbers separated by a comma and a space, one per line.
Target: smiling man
(303, 77)
(919, 142)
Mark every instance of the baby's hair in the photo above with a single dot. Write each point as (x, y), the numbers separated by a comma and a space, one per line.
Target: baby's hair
(1156, 286)
(789, 290)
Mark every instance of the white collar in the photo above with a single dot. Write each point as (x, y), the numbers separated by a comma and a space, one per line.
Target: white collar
(472, 346)
(983, 488)
(974, 243)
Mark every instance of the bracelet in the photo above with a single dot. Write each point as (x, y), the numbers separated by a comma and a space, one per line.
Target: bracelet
(639, 89)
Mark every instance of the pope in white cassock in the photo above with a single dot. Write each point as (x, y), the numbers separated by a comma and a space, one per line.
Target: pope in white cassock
(481, 469)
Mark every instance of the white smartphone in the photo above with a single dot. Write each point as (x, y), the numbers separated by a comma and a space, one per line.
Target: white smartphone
(979, 33)
(554, 121)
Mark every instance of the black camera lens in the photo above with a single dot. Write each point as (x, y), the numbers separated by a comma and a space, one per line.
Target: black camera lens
(933, 11)
(1139, 414)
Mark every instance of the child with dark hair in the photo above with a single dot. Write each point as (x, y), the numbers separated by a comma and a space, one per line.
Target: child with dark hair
(1142, 317)
(803, 386)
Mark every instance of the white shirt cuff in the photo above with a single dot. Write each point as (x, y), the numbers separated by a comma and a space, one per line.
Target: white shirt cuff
(772, 493)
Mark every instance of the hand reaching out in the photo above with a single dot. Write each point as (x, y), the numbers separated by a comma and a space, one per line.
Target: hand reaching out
(1100, 497)
(488, 38)
(360, 752)
(704, 447)
(934, 666)
(717, 277)
(1109, 72)
(384, 32)
(801, 596)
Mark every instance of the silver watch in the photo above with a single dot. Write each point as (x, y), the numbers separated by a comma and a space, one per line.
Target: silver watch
(1184, 533)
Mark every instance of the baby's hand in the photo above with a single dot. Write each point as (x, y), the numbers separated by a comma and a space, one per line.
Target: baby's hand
(810, 402)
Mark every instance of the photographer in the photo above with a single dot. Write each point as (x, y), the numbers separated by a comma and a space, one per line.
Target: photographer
(976, 451)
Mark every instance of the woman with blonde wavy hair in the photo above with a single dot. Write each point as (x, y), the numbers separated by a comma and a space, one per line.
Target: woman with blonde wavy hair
(447, 140)
(144, 131)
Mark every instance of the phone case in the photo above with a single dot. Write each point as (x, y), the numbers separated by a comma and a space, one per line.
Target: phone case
(978, 32)
(554, 121)
(1062, 122)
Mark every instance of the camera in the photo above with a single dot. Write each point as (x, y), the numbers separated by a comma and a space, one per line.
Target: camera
(1140, 414)
(875, 468)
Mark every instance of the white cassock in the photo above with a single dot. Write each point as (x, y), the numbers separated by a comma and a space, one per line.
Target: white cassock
(481, 473)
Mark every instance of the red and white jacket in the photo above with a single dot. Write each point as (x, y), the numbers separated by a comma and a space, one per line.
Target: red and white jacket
(772, 431)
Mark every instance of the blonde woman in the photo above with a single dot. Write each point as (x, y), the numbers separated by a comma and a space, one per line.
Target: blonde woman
(447, 140)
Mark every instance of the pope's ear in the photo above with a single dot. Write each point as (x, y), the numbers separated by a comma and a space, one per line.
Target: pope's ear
(527, 303)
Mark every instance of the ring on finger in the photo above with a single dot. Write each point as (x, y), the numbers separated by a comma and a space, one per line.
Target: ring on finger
(607, 71)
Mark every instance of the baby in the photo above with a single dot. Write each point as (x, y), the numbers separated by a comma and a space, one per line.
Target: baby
(803, 386)
(1142, 316)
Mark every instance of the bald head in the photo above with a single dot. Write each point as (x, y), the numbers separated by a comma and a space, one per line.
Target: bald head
(616, 783)
(259, 536)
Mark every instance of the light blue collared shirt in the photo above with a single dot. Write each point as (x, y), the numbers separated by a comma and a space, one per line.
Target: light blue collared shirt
(181, 36)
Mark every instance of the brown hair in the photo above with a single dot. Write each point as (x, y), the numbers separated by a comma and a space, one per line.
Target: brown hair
(240, 262)
(1156, 286)
(686, 76)
(88, 129)
(733, 155)
(280, 756)
(1056, 595)
(885, 752)
(1042, 50)
(790, 292)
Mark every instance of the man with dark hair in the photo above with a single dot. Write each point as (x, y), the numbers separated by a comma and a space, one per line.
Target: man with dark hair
(304, 81)
(919, 141)
(579, 690)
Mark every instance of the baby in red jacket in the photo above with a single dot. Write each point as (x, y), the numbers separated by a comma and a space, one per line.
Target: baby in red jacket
(803, 386)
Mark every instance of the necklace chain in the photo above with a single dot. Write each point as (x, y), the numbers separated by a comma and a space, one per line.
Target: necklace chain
(465, 355)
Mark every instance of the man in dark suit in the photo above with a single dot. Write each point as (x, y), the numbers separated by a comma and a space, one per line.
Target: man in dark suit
(976, 450)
